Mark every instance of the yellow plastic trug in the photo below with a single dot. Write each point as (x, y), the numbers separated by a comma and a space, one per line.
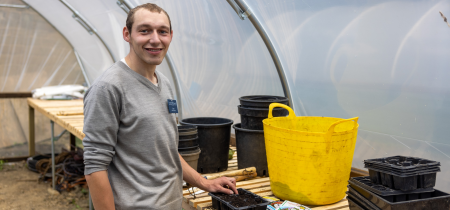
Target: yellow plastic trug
(309, 158)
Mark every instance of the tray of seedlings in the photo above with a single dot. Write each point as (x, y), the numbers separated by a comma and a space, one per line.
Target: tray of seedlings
(244, 200)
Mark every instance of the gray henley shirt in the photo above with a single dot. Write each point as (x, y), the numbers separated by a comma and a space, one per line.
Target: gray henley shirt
(131, 134)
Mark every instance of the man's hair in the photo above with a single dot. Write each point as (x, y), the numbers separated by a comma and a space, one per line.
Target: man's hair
(150, 7)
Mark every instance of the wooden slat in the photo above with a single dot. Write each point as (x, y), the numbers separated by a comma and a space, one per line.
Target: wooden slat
(15, 95)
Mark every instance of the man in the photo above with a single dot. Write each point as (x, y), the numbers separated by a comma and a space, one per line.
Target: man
(131, 158)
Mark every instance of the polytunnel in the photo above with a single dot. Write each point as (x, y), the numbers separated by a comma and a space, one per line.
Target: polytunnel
(386, 62)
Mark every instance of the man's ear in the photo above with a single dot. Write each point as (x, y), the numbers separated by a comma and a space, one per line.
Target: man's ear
(126, 34)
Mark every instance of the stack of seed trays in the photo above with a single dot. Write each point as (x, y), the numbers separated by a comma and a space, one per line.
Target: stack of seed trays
(403, 173)
(397, 183)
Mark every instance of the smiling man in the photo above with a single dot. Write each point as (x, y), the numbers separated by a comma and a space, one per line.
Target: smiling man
(130, 149)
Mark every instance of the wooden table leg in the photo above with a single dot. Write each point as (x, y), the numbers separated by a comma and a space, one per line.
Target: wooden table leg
(31, 145)
(73, 144)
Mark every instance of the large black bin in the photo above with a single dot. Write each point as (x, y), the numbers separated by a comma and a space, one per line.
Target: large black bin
(214, 141)
(251, 149)
(252, 117)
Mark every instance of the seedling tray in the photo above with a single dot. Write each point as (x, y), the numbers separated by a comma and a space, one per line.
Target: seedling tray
(219, 203)
(362, 202)
(417, 201)
(405, 173)
(353, 205)
(402, 162)
(403, 183)
(364, 182)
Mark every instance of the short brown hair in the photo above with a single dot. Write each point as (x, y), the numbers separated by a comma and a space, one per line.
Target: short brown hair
(150, 7)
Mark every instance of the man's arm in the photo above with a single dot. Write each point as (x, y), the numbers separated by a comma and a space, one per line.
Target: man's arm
(100, 190)
(216, 185)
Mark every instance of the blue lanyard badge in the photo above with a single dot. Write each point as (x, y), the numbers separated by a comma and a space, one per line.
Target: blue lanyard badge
(172, 104)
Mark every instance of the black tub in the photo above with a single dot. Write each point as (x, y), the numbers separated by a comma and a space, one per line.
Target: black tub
(251, 117)
(214, 141)
(251, 149)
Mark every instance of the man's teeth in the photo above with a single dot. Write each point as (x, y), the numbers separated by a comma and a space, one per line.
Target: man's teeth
(155, 50)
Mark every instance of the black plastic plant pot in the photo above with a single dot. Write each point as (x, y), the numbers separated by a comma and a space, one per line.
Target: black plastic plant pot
(184, 143)
(188, 149)
(405, 182)
(252, 117)
(219, 201)
(187, 132)
(251, 149)
(262, 101)
(416, 201)
(365, 183)
(214, 141)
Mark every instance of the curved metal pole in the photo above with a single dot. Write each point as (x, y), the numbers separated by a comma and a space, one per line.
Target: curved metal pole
(176, 82)
(245, 12)
(88, 26)
(74, 51)
(82, 68)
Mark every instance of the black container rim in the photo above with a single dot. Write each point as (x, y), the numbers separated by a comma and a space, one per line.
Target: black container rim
(277, 100)
(188, 139)
(185, 128)
(237, 126)
(258, 108)
(187, 148)
(228, 123)
(188, 133)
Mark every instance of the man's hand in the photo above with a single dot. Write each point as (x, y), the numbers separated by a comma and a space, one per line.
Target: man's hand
(225, 185)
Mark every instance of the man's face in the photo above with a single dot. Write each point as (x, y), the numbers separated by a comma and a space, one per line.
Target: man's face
(150, 36)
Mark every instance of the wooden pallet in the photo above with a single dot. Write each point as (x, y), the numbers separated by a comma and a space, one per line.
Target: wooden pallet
(258, 185)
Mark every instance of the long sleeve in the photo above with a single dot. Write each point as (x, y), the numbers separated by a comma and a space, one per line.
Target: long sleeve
(101, 124)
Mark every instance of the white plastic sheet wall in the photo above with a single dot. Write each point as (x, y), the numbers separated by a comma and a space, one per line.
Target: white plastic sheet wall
(384, 61)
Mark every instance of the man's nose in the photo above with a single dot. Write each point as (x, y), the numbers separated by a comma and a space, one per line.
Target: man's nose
(154, 38)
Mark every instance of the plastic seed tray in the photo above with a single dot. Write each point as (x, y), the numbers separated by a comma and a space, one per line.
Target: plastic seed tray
(361, 202)
(403, 182)
(366, 183)
(417, 201)
(353, 205)
(220, 204)
(402, 162)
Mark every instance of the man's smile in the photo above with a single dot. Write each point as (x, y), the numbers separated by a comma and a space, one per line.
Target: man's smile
(154, 50)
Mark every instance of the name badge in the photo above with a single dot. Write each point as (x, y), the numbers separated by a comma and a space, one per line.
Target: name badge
(172, 104)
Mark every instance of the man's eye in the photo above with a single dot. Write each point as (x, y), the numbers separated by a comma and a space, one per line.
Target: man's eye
(144, 31)
(164, 32)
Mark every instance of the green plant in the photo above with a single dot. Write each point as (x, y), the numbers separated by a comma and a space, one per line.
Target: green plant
(1, 164)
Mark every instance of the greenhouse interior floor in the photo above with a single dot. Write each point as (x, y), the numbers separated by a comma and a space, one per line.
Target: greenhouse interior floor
(20, 189)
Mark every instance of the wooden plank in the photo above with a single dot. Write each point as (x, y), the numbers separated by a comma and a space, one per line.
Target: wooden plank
(246, 187)
(356, 172)
(15, 95)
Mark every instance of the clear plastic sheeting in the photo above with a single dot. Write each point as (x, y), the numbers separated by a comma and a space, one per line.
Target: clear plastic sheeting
(93, 54)
(384, 61)
(32, 53)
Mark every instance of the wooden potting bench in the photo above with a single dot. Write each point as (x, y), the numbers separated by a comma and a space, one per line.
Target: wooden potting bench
(69, 115)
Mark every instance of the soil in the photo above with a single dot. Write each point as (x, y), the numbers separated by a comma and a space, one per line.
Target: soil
(241, 200)
(20, 189)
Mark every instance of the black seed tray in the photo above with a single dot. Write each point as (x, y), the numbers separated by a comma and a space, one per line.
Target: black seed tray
(405, 174)
(403, 183)
(352, 205)
(402, 162)
(220, 204)
(411, 171)
(361, 201)
(418, 201)
(366, 183)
